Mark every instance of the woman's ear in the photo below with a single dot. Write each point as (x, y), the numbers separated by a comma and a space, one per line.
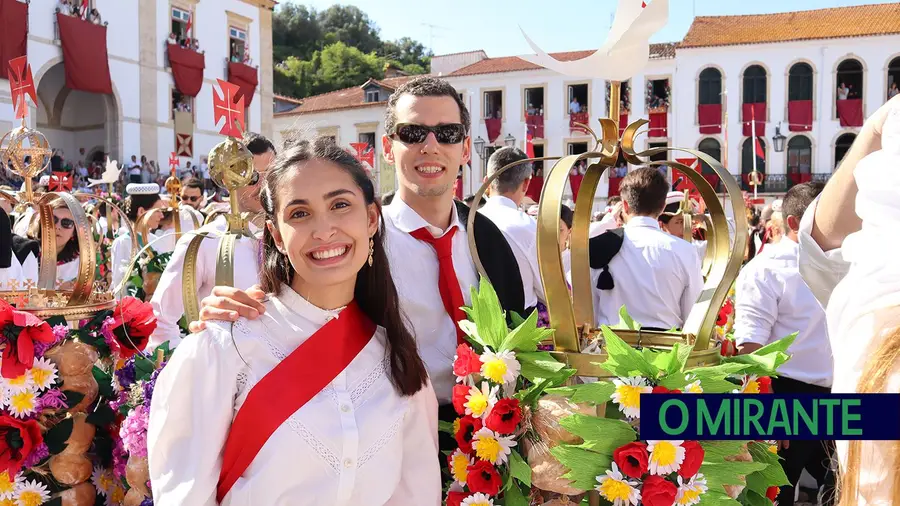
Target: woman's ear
(276, 236)
(374, 217)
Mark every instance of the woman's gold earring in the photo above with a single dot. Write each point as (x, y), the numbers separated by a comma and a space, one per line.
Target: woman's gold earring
(371, 251)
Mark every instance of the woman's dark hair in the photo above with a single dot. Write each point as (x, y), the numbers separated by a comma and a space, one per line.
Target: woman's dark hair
(135, 202)
(375, 291)
(70, 250)
(566, 215)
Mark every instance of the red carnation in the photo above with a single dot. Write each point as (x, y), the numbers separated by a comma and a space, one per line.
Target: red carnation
(728, 349)
(459, 398)
(20, 330)
(505, 416)
(724, 313)
(468, 426)
(632, 459)
(17, 439)
(657, 491)
(132, 323)
(455, 498)
(663, 390)
(467, 361)
(483, 478)
(772, 493)
(765, 385)
(693, 459)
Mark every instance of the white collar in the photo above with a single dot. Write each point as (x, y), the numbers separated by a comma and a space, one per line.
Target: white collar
(503, 201)
(642, 221)
(406, 219)
(293, 302)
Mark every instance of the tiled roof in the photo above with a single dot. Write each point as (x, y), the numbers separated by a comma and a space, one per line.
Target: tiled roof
(348, 98)
(284, 98)
(515, 64)
(839, 22)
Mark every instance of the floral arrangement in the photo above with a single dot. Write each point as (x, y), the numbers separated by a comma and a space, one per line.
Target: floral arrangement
(57, 430)
(655, 103)
(611, 458)
(725, 326)
(500, 375)
(144, 279)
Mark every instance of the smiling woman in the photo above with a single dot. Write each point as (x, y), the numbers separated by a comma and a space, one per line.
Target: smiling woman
(331, 345)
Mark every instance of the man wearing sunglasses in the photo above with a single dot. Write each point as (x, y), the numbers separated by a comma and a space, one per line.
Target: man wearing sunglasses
(168, 302)
(427, 140)
(192, 193)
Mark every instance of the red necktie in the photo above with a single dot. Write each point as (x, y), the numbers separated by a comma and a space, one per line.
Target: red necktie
(448, 284)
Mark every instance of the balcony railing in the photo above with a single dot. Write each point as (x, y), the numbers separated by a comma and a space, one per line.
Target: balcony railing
(779, 183)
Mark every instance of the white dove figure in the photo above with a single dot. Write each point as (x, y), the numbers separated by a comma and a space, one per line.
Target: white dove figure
(109, 176)
(626, 50)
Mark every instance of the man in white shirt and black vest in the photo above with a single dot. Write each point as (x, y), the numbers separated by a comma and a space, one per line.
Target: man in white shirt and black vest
(773, 301)
(520, 230)
(654, 275)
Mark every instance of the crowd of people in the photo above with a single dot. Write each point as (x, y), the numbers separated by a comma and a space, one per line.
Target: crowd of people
(80, 9)
(348, 305)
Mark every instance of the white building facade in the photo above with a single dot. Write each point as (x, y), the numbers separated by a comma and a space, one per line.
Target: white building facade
(790, 65)
(138, 117)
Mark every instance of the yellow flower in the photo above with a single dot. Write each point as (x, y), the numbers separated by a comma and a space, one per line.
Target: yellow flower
(22, 404)
(689, 493)
(8, 485)
(479, 402)
(32, 493)
(750, 385)
(492, 447)
(43, 373)
(459, 464)
(773, 449)
(665, 456)
(456, 425)
(628, 395)
(9, 501)
(693, 388)
(19, 383)
(478, 499)
(616, 489)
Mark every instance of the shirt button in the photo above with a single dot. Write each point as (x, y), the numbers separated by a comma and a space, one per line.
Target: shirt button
(345, 408)
(348, 463)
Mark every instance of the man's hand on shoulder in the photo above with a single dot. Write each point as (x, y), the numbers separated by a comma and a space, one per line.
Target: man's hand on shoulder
(228, 303)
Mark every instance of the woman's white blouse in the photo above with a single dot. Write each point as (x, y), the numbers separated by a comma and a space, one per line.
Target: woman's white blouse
(356, 442)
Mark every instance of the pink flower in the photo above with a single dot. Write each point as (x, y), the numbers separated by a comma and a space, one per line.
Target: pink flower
(134, 431)
(53, 398)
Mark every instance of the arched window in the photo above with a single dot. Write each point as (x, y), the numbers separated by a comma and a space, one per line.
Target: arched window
(754, 85)
(849, 79)
(841, 146)
(711, 147)
(800, 82)
(799, 159)
(893, 82)
(710, 86)
(748, 151)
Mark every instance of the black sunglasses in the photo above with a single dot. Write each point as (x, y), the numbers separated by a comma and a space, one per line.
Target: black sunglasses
(192, 198)
(66, 223)
(409, 133)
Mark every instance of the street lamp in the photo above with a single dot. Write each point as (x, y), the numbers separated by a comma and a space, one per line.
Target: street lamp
(778, 139)
(510, 141)
(478, 144)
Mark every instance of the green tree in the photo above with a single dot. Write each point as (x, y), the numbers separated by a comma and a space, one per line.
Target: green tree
(351, 26)
(343, 66)
(295, 32)
(407, 51)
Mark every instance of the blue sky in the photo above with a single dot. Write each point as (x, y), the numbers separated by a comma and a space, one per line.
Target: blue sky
(561, 25)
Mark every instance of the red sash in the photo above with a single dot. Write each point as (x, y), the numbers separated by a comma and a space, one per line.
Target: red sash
(290, 385)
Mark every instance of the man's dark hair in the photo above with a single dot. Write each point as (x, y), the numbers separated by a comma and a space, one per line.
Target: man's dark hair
(613, 200)
(193, 182)
(799, 198)
(510, 180)
(471, 198)
(425, 86)
(258, 144)
(645, 191)
(387, 198)
(566, 215)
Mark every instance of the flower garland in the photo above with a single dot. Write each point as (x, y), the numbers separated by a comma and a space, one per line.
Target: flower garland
(500, 374)
(56, 430)
(628, 471)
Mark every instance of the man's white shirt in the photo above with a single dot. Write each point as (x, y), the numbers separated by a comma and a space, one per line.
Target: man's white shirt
(656, 275)
(520, 231)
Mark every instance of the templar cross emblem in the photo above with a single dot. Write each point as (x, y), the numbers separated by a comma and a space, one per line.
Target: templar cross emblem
(21, 84)
(229, 107)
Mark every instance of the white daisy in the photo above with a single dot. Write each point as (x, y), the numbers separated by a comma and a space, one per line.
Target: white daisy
(31, 493)
(665, 456)
(8, 485)
(478, 499)
(490, 446)
(18, 384)
(459, 464)
(693, 388)
(689, 493)
(749, 384)
(103, 480)
(500, 367)
(628, 394)
(22, 404)
(480, 402)
(615, 488)
(43, 373)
